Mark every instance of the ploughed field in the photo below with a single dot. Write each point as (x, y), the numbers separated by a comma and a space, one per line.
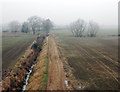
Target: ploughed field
(17, 77)
(93, 61)
(13, 46)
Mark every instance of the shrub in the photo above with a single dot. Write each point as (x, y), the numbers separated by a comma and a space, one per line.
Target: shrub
(34, 46)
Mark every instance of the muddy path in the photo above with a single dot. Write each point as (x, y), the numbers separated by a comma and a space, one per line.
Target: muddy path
(56, 75)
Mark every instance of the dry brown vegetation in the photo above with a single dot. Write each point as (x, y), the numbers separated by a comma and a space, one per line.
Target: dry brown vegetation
(48, 72)
(36, 79)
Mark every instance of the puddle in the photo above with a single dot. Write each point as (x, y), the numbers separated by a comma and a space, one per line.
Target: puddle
(81, 86)
(27, 78)
(66, 82)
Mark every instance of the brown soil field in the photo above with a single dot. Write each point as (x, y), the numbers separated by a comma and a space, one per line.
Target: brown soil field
(16, 77)
(83, 63)
(92, 62)
(13, 47)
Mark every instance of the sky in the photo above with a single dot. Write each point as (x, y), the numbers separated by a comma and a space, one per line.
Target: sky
(61, 12)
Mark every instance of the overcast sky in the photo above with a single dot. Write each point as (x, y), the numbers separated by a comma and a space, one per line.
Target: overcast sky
(105, 12)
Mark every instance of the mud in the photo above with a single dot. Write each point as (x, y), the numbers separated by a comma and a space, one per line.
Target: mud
(56, 75)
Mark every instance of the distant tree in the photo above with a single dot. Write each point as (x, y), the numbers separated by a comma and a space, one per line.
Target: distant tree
(39, 24)
(5, 28)
(35, 23)
(15, 26)
(92, 29)
(47, 25)
(78, 27)
(25, 27)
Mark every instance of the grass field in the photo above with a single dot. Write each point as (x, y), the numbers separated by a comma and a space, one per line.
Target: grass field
(13, 46)
(93, 60)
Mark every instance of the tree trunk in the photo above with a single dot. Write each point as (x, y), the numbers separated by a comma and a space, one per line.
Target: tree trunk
(33, 31)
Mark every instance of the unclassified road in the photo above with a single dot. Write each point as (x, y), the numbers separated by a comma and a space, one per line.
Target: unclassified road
(56, 75)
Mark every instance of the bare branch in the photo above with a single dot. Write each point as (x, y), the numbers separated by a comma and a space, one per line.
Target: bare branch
(78, 27)
(92, 29)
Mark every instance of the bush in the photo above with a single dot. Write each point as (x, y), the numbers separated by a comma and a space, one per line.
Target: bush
(34, 46)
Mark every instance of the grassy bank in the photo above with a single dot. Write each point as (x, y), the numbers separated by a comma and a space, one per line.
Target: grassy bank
(45, 75)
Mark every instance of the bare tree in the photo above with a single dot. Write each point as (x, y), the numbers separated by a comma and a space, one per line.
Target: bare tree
(15, 26)
(5, 28)
(47, 25)
(39, 24)
(92, 29)
(78, 27)
(25, 27)
(35, 23)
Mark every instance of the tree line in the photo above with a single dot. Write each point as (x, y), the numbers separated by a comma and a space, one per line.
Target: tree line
(78, 28)
(36, 23)
(33, 24)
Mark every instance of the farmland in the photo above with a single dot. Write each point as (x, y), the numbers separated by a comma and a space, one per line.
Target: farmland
(86, 63)
(13, 46)
(93, 61)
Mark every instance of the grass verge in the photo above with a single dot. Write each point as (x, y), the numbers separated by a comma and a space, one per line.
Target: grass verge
(45, 75)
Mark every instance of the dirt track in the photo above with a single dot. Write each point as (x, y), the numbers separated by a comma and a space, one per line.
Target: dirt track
(56, 76)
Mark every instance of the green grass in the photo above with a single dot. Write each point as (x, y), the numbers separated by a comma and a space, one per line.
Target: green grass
(45, 80)
(45, 75)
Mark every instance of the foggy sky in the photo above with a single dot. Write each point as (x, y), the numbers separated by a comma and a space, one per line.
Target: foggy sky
(61, 12)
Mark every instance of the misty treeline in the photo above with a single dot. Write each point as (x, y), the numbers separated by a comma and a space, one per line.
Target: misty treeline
(79, 27)
(33, 24)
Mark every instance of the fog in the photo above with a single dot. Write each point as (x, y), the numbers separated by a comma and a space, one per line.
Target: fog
(61, 12)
